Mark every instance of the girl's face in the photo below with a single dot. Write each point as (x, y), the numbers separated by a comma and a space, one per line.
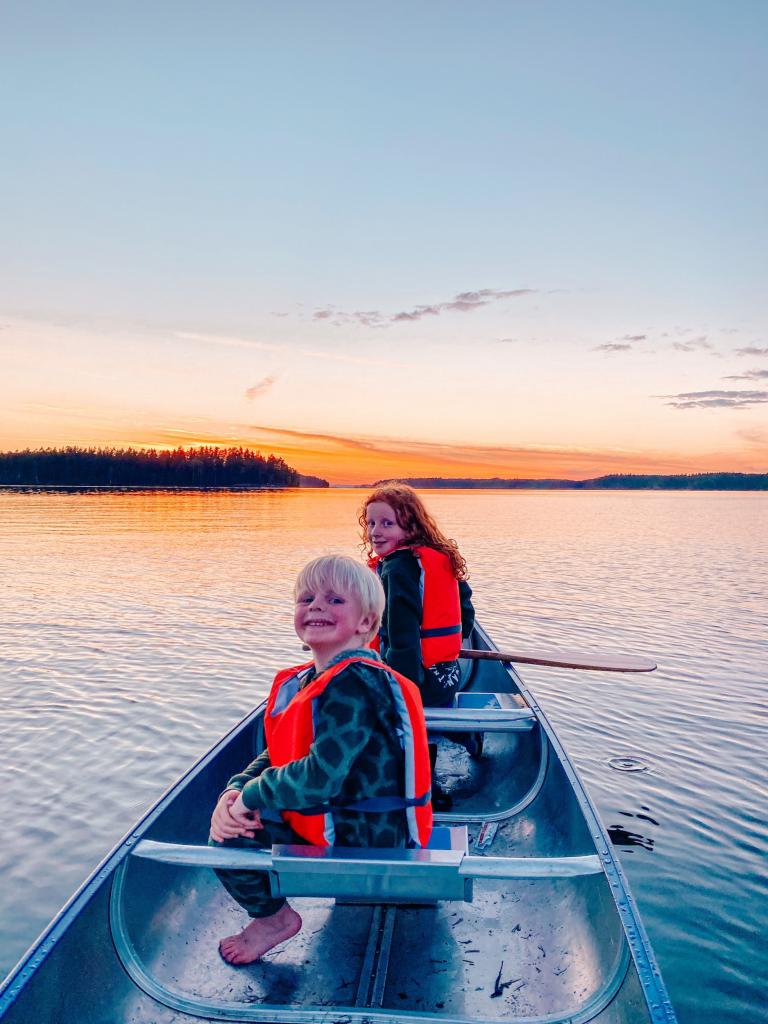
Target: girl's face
(384, 531)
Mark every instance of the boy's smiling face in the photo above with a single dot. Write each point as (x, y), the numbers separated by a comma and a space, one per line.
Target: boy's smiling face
(330, 622)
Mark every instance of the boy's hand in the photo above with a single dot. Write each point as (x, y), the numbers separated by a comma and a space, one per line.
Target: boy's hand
(224, 825)
(248, 819)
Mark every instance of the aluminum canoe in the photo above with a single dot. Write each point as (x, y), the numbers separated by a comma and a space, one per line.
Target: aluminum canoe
(524, 916)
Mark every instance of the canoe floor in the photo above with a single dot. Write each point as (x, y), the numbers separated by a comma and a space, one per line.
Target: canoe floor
(521, 949)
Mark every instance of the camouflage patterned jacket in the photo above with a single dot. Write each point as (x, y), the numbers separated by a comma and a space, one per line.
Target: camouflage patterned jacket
(356, 754)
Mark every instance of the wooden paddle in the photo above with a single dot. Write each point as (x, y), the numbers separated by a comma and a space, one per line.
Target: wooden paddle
(567, 659)
(562, 659)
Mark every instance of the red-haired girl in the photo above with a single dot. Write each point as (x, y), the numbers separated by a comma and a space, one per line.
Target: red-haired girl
(429, 607)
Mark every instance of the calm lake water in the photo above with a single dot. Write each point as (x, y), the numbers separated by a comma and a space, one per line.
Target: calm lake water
(138, 627)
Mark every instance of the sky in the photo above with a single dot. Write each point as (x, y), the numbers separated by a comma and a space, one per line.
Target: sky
(516, 239)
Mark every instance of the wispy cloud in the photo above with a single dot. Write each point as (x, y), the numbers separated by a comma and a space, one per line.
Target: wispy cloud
(751, 350)
(342, 357)
(693, 345)
(355, 459)
(716, 399)
(749, 375)
(257, 390)
(228, 341)
(68, 410)
(464, 302)
(347, 443)
(623, 344)
(338, 317)
(754, 435)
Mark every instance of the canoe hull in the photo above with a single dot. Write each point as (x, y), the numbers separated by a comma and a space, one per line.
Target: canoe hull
(138, 942)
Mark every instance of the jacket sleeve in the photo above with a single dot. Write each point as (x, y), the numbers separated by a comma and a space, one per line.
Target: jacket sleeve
(254, 769)
(467, 609)
(401, 576)
(343, 727)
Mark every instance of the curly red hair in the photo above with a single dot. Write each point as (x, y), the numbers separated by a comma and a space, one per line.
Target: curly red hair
(418, 524)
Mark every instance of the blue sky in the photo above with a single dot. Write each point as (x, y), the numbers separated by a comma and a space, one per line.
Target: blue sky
(255, 222)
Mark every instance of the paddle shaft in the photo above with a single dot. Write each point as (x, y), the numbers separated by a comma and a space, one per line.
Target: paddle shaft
(567, 659)
(562, 659)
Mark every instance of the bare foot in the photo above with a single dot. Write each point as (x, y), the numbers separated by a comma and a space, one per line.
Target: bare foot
(261, 935)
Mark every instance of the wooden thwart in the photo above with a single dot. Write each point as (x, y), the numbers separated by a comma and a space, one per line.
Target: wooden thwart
(567, 659)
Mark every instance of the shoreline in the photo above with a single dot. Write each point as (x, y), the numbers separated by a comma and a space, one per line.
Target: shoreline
(469, 488)
(81, 488)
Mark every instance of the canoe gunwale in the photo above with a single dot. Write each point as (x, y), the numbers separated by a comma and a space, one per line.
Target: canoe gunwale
(19, 976)
(660, 1007)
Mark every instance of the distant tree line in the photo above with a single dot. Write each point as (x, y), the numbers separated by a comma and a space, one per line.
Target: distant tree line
(615, 481)
(146, 467)
(683, 482)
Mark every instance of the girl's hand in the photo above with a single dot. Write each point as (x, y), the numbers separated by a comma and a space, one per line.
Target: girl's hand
(248, 819)
(223, 825)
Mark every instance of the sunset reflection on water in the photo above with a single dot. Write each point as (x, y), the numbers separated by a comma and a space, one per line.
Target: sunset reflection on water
(138, 627)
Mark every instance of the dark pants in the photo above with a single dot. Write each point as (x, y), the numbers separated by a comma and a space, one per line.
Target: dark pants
(440, 683)
(251, 889)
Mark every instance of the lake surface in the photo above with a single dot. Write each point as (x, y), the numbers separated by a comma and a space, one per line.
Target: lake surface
(138, 627)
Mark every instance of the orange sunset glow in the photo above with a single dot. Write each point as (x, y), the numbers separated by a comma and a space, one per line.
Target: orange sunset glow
(358, 461)
(496, 268)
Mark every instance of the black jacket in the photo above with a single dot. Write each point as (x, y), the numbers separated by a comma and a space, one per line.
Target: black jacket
(399, 634)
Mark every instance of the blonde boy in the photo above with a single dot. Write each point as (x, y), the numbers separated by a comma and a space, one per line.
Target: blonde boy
(335, 748)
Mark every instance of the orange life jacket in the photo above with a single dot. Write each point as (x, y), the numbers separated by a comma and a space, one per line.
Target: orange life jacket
(290, 731)
(440, 628)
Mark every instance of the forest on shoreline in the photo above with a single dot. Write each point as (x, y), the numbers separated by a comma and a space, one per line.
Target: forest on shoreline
(614, 481)
(238, 467)
(207, 467)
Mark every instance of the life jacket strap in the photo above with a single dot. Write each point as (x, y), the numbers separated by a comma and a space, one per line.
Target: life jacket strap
(372, 805)
(427, 634)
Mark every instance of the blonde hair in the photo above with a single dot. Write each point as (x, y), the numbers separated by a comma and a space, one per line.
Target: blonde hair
(417, 523)
(345, 575)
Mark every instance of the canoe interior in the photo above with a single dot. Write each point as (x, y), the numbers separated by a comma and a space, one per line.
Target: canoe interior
(139, 944)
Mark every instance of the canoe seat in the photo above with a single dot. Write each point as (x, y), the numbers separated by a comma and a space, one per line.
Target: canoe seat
(382, 876)
(480, 712)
